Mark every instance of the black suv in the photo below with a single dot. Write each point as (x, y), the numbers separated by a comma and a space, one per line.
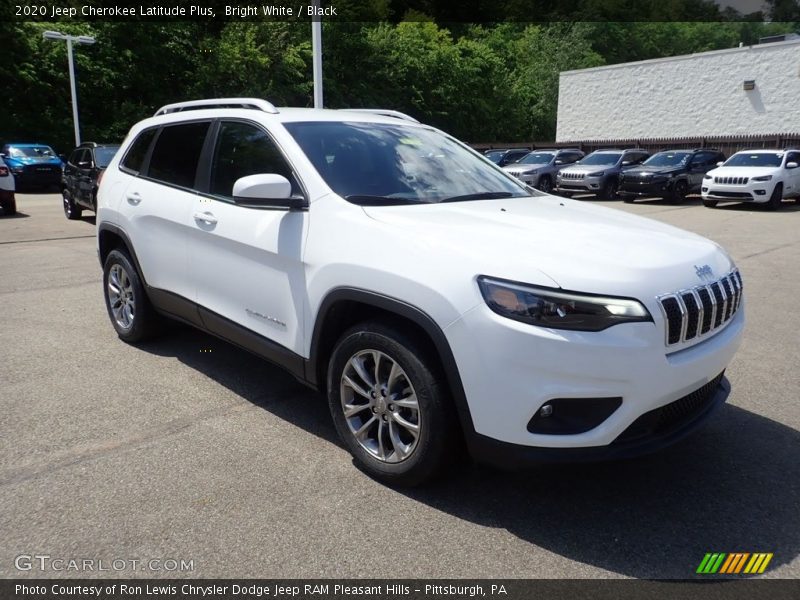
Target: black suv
(505, 156)
(671, 174)
(81, 174)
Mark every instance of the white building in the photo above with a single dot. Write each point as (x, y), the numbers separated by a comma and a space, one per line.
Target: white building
(752, 90)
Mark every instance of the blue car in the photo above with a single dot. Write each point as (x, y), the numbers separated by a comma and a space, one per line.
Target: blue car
(33, 165)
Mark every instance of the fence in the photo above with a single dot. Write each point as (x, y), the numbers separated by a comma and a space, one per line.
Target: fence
(726, 144)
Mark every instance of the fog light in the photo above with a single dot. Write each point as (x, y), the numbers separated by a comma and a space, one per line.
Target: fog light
(761, 192)
(574, 416)
(703, 189)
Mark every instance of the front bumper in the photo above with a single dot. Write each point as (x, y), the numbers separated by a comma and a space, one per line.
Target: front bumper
(517, 368)
(586, 185)
(646, 187)
(37, 175)
(758, 192)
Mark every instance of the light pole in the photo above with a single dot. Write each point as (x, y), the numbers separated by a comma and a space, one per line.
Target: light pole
(316, 53)
(81, 39)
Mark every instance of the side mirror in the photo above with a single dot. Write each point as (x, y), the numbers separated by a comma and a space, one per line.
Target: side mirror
(266, 190)
(85, 164)
(720, 163)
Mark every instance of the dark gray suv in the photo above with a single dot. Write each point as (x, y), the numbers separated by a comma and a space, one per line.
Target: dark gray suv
(598, 173)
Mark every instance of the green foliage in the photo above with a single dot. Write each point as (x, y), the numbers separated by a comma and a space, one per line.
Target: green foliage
(483, 83)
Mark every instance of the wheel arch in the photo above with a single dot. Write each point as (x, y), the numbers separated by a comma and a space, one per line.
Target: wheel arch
(110, 237)
(344, 307)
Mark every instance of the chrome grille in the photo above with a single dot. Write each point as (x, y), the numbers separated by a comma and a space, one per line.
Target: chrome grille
(572, 175)
(699, 311)
(732, 180)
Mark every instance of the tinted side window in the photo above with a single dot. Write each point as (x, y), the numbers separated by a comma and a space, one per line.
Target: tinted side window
(242, 149)
(74, 158)
(135, 157)
(177, 152)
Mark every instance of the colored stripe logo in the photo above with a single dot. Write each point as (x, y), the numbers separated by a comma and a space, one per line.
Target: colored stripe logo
(734, 563)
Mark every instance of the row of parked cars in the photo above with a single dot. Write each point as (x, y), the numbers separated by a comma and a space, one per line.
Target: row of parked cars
(759, 176)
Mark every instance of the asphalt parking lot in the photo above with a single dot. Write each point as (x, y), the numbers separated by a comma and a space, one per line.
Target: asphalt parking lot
(186, 448)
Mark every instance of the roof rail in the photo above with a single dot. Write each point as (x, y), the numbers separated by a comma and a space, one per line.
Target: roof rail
(384, 112)
(252, 103)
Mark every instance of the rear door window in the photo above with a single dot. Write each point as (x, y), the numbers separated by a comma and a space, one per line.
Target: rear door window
(177, 152)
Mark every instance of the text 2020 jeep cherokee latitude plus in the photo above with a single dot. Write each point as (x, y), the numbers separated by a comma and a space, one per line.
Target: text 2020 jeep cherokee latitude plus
(430, 295)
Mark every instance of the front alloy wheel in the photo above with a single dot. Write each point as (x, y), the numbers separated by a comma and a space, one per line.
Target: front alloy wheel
(390, 405)
(380, 406)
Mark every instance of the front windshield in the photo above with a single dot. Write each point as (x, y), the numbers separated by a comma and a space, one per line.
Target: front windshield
(104, 155)
(755, 159)
(601, 158)
(398, 164)
(536, 158)
(667, 159)
(495, 156)
(31, 152)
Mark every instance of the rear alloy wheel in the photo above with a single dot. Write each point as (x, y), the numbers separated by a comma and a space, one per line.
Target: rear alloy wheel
(609, 191)
(776, 199)
(72, 211)
(129, 309)
(710, 203)
(545, 184)
(389, 406)
(679, 192)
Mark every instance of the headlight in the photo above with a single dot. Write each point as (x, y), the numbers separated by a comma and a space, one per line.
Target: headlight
(707, 176)
(559, 309)
(532, 172)
(762, 178)
(598, 174)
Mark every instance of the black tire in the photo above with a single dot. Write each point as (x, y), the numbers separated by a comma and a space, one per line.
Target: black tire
(72, 211)
(776, 199)
(565, 194)
(710, 203)
(545, 184)
(609, 191)
(628, 198)
(679, 191)
(10, 207)
(143, 318)
(436, 443)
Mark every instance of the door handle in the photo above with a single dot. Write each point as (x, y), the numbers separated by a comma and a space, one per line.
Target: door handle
(205, 217)
(134, 198)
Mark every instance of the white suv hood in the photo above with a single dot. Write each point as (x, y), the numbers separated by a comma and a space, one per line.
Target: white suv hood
(548, 240)
(743, 171)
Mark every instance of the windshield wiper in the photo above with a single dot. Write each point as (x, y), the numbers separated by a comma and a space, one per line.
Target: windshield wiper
(367, 200)
(478, 196)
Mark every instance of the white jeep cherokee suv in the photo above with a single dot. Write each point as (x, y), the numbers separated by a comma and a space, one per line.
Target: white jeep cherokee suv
(761, 176)
(434, 298)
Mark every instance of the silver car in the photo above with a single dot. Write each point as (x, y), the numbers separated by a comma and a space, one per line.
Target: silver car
(598, 173)
(539, 168)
